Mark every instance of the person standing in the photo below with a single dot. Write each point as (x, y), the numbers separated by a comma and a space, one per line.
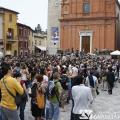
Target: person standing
(7, 104)
(24, 98)
(92, 82)
(37, 88)
(82, 97)
(24, 75)
(66, 85)
(54, 98)
(110, 80)
(104, 81)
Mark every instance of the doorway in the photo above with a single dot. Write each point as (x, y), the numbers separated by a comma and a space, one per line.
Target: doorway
(86, 41)
(15, 52)
(86, 44)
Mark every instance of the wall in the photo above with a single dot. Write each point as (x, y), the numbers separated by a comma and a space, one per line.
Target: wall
(103, 35)
(53, 21)
(40, 40)
(13, 25)
(99, 8)
(118, 27)
(30, 44)
(23, 36)
(101, 21)
(1, 27)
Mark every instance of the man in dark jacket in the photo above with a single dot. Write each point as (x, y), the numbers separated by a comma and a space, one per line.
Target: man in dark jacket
(110, 80)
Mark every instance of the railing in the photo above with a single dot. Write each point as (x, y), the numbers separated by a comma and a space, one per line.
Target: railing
(12, 39)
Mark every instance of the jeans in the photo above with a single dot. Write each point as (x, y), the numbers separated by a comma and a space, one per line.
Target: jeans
(22, 108)
(9, 114)
(52, 113)
(2, 117)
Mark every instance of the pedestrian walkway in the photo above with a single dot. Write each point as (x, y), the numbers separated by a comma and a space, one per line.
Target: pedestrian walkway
(104, 104)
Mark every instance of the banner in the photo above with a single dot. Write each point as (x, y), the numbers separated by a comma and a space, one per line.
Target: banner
(55, 33)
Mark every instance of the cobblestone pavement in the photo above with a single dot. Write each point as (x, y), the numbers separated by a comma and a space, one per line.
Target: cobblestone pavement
(102, 104)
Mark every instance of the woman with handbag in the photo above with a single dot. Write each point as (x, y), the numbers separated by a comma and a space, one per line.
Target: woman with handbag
(24, 98)
(7, 104)
(38, 98)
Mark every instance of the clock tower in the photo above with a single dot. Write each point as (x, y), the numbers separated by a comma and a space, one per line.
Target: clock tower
(53, 29)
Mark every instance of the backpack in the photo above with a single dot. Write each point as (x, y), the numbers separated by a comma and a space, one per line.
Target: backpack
(91, 81)
(16, 71)
(64, 82)
(52, 92)
(50, 89)
(40, 99)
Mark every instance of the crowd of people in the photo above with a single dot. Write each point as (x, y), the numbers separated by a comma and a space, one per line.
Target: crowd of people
(52, 81)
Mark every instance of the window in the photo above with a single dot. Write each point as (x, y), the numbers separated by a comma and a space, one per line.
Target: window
(39, 42)
(26, 33)
(35, 42)
(86, 7)
(8, 46)
(21, 45)
(10, 17)
(20, 32)
(10, 33)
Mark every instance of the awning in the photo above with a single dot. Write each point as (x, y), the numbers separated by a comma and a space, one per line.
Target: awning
(41, 48)
(117, 52)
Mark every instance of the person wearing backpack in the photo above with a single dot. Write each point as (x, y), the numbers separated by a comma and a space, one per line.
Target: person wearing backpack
(7, 104)
(38, 98)
(92, 82)
(66, 85)
(53, 93)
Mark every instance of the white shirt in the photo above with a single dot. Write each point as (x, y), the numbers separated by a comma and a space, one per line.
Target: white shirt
(82, 97)
(74, 71)
(95, 81)
(45, 80)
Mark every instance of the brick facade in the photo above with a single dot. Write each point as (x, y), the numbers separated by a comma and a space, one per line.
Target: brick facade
(23, 39)
(97, 27)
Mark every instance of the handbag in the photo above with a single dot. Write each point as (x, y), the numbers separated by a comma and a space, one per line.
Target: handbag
(18, 98)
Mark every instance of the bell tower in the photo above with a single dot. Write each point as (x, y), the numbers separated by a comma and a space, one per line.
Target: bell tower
(53, 30)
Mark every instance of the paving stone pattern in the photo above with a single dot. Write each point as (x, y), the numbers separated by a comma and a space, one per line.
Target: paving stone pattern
(102, 104)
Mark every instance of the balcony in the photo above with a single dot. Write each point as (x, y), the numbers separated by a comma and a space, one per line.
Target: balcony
(10, 36)
(8, 52)
(12, 39)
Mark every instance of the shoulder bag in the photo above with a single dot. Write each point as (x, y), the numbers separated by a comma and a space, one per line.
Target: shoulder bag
(18, 98)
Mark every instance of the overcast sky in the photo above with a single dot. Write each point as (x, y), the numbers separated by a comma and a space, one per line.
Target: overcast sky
(32, 12)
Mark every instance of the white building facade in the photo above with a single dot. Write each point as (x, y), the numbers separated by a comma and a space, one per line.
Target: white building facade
(39, 42)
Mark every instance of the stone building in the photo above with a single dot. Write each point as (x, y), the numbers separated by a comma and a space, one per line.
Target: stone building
(9, 31)
(53, 30)
(25, 39)
(90, 24)
(40, 40)
(1, 33)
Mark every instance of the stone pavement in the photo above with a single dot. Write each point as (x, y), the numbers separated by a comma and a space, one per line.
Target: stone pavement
(102, 104)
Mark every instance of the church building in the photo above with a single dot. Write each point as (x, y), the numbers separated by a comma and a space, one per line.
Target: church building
(90, 24)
